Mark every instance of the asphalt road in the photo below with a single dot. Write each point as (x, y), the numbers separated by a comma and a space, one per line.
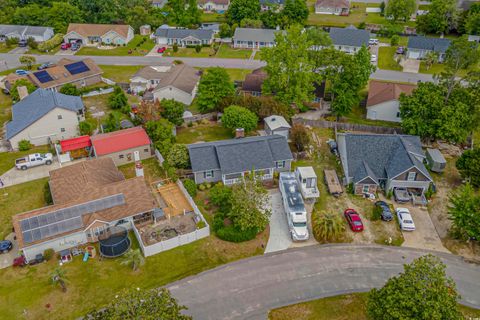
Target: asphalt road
(10, 61)
(248, 289)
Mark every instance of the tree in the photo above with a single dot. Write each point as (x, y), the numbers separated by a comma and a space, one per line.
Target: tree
(471, 23)
(251, 23)
(60, 14)
(263, 106)
(235, 117)
(442, 17)
(31, 43)
(328, 226)
(430, 58)
(113, 122)
(118, 100)
(178, 157)
(161, 133)
(133, 258)
(401, 9)
(241, 9)
(395, 40)
(289, 68)
(469, 166)
(214, 85)
(70, 89)
(28, 61)
(225, 31)
(172, 110)
(58, 278)
(422, 291)
(141, 304)
(221, 196)
(248, 205)
(21, 83)
(295, 12)
(86, 128)
(191, 187)
(463, 211)
(300, 136)
(272, 18)
(183, 13)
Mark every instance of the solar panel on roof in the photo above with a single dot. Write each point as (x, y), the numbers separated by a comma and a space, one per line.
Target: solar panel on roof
(77, 67)
(43, 76)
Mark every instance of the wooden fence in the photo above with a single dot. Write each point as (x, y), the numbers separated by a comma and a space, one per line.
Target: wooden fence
(347, 126)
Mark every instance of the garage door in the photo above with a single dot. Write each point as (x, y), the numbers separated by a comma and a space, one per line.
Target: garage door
(413, 54)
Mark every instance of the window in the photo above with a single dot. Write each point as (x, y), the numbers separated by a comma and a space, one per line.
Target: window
(208, 174)
(59, 117)
(121, 156)
(280, 164)
(365, 188)
(411, 176)
(398, 114)
(145, 150)
(62, 129)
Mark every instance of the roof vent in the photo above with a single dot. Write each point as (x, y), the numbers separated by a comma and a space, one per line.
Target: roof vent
(273, 119)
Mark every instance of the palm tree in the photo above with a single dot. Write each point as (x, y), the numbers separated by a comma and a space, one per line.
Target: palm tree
(328, 226)
(133, 258)
(58, 278)
(430, 58)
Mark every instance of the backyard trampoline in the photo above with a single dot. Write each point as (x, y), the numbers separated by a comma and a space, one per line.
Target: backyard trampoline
(114, 242)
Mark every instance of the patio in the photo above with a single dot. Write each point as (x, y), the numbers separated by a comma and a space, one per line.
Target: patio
(167, 228)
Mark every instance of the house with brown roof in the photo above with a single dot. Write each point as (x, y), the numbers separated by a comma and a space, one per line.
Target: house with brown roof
(219, 6)
(383, 103)
(336, 7)
(79, 73)
(180, 84)
(90, 198)
(148, 78)
(253, 82)
(95, 34)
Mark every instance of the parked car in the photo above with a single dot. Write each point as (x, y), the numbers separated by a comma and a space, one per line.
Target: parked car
(401, 195)
(332, 144)
(19, 261)
(5, 246)
(405, 219)
(22, 43)
(65, 46)
(46, 65)
(386, 214)
(75, 46)
(161, 50)
(38, 259)
(400, 50)
(33, 160)
(21, 72)
(354, 220)
(373, 58)
(373, 42)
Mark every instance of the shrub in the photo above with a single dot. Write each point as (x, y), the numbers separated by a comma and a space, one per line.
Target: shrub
(389, 194)
(11, 42)
(201, 187)
(230, 232)
(328, 227)
(54, 42)
(178, 156)
(70, 89)
(198, 48)
(172, 110)
(32, 43)
(394, 40)
(190, 186)
(24, 145)
(201, 224)
(190, 124)
(221, 196)
(47, 195)
(239, 117)
(208, 185)
(48, 254)
(300, 136)
(376, 213)
(86, 128)
(175, 47)
(350, 188)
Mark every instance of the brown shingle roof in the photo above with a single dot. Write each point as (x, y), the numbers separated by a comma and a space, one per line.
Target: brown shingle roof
(150, 73)
(254, 81)
(182, 77)
(99, 30)
(333, 3)
(379, 91)
(61, 75)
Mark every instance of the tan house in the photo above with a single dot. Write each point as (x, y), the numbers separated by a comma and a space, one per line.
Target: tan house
(95, 34)
(383, 103)
(336, 7)
(79, 73)
(180, 84)
(121, 145)
(148, 78)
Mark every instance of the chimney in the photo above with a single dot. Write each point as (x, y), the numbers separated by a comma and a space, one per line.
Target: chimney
(22, 92)
(239, 133)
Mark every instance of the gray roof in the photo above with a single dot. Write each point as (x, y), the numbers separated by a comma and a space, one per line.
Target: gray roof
(258, 35)
(382, 156)
(275, 122)
(292, 192)
(23, 31)
(239, 155)
(433, 44)
(200, 34)
(349, 36)
(36, 105)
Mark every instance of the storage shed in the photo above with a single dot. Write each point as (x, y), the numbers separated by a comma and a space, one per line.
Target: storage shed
(435, 160)
(277, 125)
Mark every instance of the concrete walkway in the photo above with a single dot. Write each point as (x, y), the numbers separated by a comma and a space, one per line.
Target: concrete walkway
(249, 288)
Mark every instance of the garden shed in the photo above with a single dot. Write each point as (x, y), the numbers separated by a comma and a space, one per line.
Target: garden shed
(435, 160)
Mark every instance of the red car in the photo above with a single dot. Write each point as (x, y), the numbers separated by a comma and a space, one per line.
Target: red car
(353, 219)
(161, 50)
(65, 46)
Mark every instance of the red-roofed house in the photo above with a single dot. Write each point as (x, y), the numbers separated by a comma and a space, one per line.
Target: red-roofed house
(120, 145)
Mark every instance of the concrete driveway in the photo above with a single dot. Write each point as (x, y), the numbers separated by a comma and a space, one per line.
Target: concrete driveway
(6, 259)
(249, 288)
(19, 50)
(279, 238)
(410, 65)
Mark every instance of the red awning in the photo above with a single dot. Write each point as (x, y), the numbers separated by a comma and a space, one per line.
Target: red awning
(75, 143)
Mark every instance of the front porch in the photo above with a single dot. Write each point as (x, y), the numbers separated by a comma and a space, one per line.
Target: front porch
(234, 178)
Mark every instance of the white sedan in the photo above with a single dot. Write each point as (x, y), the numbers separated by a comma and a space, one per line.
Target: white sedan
(405, 219)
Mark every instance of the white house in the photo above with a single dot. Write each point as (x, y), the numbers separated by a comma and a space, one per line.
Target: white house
(219, 6)
(180, 84)
(45, 116)
(96, 34)
(250, 38)
(383, 103)
(349, 39)
(183, 37)
(336, 7)
(277, 125)
(40, 34)
(148, 78)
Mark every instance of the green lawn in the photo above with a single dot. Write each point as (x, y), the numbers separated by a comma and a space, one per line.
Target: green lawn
(238, 74)
(203, 132)
(140, 50)
(402, 42)
(4, 48)
(386, 59)
(436, 68)
(7, 159)
(226, 51)
(5, 109)
(349, 306)
(212, 17)
(206, 52)
(119, 73)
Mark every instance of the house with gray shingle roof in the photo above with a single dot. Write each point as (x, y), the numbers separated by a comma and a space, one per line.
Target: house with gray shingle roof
(383, 161)
(40, 34)
(349, 39)
(45, 116)
(419, 46)
(251, 38)
(231, 160)
(183, 37)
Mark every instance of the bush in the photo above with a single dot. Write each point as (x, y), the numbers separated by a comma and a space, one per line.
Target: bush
(86, 128)
(191, 187)
(394, 40)
(350, 189)
(208, 185)
(54, 42)
(24, 145)
(201, 224)
(175, 47)
(32, 43)
(376, 213)
(230, 232)
(47, 195)
(239, 117)
(201, 187)
(221, 196)
(70, 89)
(178, 156)
(48, 254)
(198, 48)
(190, 124)
(12, 41)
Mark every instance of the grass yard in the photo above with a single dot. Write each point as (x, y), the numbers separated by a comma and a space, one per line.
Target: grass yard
(5, 109)
(203, 132)
(402, 42)
(238, 74)
(4, 48)
(140, 50)
(19, 198)
(212, 17)
(386, 59)
(357, 15)
(152, 170)
(349, 306)
(119, 73)
(436, 68)
(206, 52)
(226, 51)
(7, 159)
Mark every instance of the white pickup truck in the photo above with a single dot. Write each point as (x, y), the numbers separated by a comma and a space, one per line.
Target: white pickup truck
(33, 160)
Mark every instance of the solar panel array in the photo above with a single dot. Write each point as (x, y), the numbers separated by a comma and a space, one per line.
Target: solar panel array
(43, 76)
(64, 220)
(77, 67)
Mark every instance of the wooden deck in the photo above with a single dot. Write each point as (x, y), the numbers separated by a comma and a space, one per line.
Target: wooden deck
(175, 200)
